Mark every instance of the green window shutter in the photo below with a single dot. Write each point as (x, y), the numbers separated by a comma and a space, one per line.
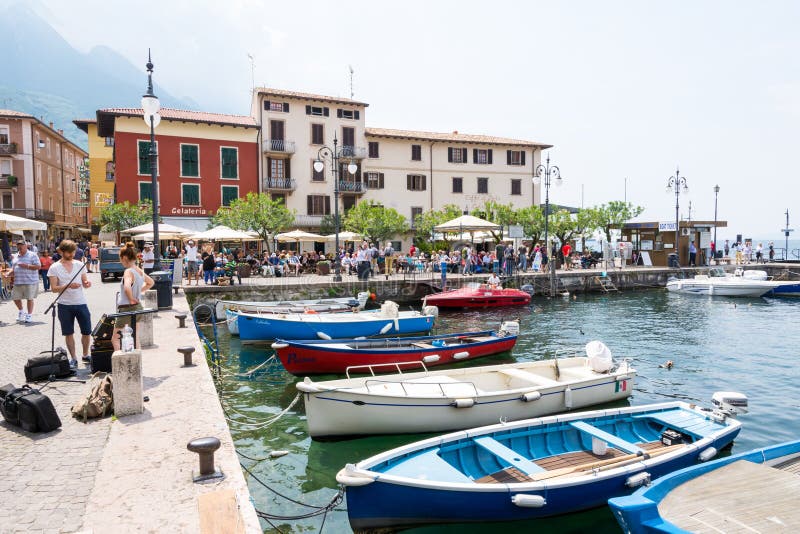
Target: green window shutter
(145, 191)
(144, 157)
(189, 160)
(190, 195)
(229, 163)
(229, 194)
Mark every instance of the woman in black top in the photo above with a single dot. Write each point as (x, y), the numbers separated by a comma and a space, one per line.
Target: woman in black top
(208, 267)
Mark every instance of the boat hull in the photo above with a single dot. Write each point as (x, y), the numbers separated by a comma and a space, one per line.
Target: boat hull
(722, 289)
(479, 298)
(786, 290)
(231, 319)
(314, 359)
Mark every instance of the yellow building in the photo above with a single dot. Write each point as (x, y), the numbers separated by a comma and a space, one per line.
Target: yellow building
(101, 170)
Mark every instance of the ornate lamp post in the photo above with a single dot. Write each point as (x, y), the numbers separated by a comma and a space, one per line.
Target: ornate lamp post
(151, 106)
(544, 173)
(334, 154)
(716, 194)
(677, 184)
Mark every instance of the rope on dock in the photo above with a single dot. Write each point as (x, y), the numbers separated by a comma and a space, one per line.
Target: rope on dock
(260, 424)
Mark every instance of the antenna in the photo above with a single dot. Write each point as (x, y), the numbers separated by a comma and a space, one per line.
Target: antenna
(252, 70)
(351, 81)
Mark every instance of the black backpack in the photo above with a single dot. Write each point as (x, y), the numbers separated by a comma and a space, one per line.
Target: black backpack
(28, 408)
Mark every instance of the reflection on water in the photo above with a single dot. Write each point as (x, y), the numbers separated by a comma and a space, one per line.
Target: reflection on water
(746, 345)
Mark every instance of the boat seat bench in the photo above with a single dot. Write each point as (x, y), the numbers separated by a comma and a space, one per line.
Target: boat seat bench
(530, 377)
(611, 439)
(509, 456)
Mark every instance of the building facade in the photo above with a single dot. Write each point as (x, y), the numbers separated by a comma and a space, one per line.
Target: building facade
(41, 175)
(205, 161)
(101, 170)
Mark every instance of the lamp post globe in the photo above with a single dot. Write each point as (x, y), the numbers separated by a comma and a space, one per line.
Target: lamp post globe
(678, 185)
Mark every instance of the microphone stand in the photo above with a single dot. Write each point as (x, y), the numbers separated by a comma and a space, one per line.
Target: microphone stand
(52, 310)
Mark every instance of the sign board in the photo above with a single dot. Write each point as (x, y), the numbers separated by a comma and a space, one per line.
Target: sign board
(177, 272)
(647, 244)
(667, 226)
(80, 204)
(646, 258)
(515, 231)
(705, 239)
(102, 199)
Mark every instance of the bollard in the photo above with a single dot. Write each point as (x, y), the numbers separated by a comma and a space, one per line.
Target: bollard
(187, 355)
(205, 448)
(176, 288)
(181, 317)
(126, 367)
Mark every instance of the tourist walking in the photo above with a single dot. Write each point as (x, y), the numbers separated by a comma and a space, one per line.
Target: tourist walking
(148, 258)
(72, 304)
(94, 263)
(25, 266)
(46, 261)
(566, 251)
(523, 258)
(760, 253)
(132, 287)
(692, 254)
(192, 270)
(388, 258)
(363, 262)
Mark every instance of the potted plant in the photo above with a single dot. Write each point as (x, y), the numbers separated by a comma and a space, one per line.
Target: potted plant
(323, 267)
(12, 180)
(244, 270)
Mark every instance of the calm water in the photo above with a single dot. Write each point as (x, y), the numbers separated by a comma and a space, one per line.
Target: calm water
(746, 345)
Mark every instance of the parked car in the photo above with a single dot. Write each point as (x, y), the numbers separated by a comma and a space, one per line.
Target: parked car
(110, 265)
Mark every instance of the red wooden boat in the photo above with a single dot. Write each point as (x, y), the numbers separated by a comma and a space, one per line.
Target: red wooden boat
(391, 355)
(478, 296)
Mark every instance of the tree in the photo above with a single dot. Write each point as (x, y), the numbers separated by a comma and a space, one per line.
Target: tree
(502, 214)
(532, 220)
(327, 224)
(425, 223)
(562, 225)
(257, 212)
(121, 216)
(374, 221)
(615, 214)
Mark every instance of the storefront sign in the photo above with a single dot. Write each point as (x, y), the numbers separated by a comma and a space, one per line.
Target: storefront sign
(188, 211)
(667, 226)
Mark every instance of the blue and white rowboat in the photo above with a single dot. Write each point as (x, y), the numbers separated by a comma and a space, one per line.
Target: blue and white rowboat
(533, 468)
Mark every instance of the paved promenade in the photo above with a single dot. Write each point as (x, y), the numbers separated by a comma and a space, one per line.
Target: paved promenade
(126, 475)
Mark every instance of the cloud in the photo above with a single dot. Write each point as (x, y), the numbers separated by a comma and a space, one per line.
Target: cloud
(785, 97)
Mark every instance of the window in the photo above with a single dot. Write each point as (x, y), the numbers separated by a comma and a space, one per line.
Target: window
(317, 176)
(483, 186)
(317, 134)
(456, 155)
(39, 201)
(190, 160)
(49, 177)
(109, 141)
(317, 111)
(8, 201)
(318, 204)
(415, 212)
(109, 171)
(39, 174)
(374, 149)
(352, 114)
(348, 140)
(516, 186)
(58, 152)
(144, 157)
(190, 194)
(374, 180)
(145, 191)
(458, 185)
(277, 168)
(282, 107)
(48, 147)
(5, 167)
(230, 162)
(482, 156)
(279, 196)
(515, 157)
(229, 194)
(4, 138)
(415, 182)
(416, 153)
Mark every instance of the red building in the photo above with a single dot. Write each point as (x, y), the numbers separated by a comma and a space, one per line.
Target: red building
(205, 160)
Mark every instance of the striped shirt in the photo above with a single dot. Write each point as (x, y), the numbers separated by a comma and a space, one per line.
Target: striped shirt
(23, 275)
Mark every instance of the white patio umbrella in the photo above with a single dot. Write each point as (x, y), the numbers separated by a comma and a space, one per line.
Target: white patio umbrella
(163, 228)
(466, 223)
(225, 233)
(12, 223)
(148, 236)
(344, 236)
(298, 236)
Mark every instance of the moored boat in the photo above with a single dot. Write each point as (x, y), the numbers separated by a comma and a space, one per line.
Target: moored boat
(532, 468)
(718, 283)
(754, 491)
(438, 401)
(479, 296)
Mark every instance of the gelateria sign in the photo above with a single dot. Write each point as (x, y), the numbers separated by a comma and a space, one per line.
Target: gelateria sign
(189, 211)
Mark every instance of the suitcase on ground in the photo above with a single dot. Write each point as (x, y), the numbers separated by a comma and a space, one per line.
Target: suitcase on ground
(48, 364)
(101, 345)
(36, 412)
(8, 408)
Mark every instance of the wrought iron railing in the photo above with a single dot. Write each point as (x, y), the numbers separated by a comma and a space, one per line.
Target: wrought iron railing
(7, 149)
(357, 152)
(284, 184)
(279, 145)
(8, 181)
(30, 213)
(352, 187)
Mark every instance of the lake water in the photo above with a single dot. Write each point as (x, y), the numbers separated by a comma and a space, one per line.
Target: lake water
(746, 345)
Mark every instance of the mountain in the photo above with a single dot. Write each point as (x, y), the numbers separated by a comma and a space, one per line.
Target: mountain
(45, 76)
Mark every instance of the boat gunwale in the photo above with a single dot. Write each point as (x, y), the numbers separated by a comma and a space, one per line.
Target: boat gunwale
(318, 344)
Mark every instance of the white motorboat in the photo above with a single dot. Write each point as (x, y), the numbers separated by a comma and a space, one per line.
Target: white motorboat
(718, 282)
(453, 399)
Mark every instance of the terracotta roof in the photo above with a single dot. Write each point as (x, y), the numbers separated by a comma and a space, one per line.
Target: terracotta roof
(83, 124)
(308, 96)
(12, 113)
(454, 137)
(186, 115)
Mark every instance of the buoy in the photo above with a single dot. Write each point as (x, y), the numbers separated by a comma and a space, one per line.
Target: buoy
(430, 358)
(373, 296)
(323, 335)
(460, 355)
(277, 346)
(278, 454)
(568, 397)
(463, 403)
(707, 454)
(386, 328)
(530, 397)
(528, 501)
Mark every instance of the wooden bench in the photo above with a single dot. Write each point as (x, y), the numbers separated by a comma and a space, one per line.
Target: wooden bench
(512, 458)
(611, 439)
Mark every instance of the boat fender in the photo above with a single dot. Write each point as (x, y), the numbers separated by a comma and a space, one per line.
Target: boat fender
(463, 403)
(323, 335)
(310, 311)
(430, 310)
(430, 358)
(568, 397)
(707, 454)
(397, 325)
(278, 454)
(307, 386)
(386, 328)
(531, 396)
(348, 476)
(639, 479)
(279, 345)
(528, 501)
(461, 355)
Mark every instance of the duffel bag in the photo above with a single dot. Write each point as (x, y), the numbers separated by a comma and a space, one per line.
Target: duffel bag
(8, 407)
(46, 365)
(36, 412)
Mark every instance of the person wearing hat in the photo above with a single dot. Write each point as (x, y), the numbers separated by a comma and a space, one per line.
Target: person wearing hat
(148, 258)
(26, 267)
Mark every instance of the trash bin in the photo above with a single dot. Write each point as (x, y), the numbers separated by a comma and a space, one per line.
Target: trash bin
(672, 261)
(163, 287)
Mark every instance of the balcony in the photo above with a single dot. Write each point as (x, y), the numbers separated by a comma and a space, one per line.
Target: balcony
(7, 181)
(355, 152)
(30, 213)
(278, 146)
(8, 149)
(279, 184)
(352, 187)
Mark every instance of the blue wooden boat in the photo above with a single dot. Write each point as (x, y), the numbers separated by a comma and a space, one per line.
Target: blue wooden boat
(262, 327)
(533, 468)
(755, 491)
(786, 289)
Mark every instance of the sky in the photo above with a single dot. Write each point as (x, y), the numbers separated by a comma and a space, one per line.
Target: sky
(627, 92)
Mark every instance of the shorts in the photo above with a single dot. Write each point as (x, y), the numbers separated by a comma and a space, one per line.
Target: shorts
(67, 313)
(191, 267)
(123, 321)
(25, 291)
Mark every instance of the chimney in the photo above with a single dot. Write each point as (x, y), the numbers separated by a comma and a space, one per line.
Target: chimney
(61, 133)
(51, 125)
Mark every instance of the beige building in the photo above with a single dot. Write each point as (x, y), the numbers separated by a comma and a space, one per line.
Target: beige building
(410, 171)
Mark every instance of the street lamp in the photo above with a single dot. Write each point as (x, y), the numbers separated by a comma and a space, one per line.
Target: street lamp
(716, 193)
(334, 155)
(677, 184)
(150, 107)
(545, 173)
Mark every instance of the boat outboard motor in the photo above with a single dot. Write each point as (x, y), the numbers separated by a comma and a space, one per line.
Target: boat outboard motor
(599, 356)
(729, 402)
(362, 298)
(527, 288)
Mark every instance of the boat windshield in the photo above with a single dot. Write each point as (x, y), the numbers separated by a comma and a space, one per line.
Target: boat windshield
(716, 272)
